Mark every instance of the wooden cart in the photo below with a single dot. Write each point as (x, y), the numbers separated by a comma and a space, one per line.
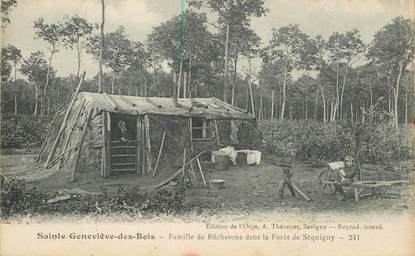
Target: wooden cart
(328, 179)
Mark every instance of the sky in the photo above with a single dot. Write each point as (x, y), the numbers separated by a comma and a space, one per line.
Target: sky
(315, 17)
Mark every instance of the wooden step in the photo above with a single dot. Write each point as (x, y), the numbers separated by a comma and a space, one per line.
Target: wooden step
(117, 171)
(121, 164)
(118, 141)
(115, 147)
(123, 155)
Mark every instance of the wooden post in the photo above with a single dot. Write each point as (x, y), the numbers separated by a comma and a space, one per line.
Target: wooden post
(106, 156)
(138, 145)
(39, 155)
(63, 125)
(178, 172)
(192, 171)
(71, 131)
(217, 131)
(286, 181)
(143, 148)
(149, 157)
(81, 142)
(184, 162)
(300, 192)
(201, 171)
(159, 155)
(191, 134)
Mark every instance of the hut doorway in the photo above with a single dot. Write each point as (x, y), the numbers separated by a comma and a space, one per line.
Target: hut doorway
(123, 143)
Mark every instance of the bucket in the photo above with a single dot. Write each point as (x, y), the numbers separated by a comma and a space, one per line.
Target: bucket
(216, 184)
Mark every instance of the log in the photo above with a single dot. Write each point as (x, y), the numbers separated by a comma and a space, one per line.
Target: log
(79, 149)
(63, 125)
(191, 134)
(184, 161)
(201, 171)
(143, 148)
(39, 155)
(217, 131)
(300, 192)
(286, 181)
(159, 155)
(138, 145)
(177, 173)
(105, 161)
(58, 157)
(71, 131)
(149, 156)
(193, 175)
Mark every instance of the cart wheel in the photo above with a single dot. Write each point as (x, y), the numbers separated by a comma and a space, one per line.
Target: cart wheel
(327, 175)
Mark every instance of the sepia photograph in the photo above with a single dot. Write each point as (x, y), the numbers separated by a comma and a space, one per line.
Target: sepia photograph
(207, 127)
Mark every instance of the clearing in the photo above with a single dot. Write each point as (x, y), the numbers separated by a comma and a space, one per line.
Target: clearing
(247, 189)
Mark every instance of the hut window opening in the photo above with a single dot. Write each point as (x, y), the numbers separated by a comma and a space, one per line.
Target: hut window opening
(199, 128)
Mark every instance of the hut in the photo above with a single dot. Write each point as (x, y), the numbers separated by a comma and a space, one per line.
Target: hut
(116, 134)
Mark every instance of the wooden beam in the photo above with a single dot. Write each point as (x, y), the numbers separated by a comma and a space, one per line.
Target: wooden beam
(143, 148)
(71, 131)
(184, 162)
(79, 148)
(41, 151)
(191, 134)
(128, 101)
(159, 155)
(149, 156)
(178, 172)
(300, 192)
(138, 145)
(106, 161)
(63, 125)
(148, 100)
(107, 97)
(217, 131)
(201, 171)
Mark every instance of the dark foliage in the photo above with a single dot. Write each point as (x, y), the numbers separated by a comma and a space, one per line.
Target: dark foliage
(21, 131)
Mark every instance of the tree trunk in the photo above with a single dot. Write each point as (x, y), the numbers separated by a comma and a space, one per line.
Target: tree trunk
(15, 86)
(101, 49)
(145, 86)
(406, 106)
(363, 113)
(78, 49)
(337, 88)
(190, 75)
(260, 105)
(36, 98)
(272, 104)
(179, 82)
(47, 79)
(225, 88)
(306, 109)
(324, 103)
(284, 96)
(351, 112)
(396, 96)
(250, 87)
(234, 80)
(316, 106)
(113, 83)
(184, 84)
(342, 93)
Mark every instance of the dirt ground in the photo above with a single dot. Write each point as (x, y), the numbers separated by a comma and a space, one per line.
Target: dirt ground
(247, 189)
